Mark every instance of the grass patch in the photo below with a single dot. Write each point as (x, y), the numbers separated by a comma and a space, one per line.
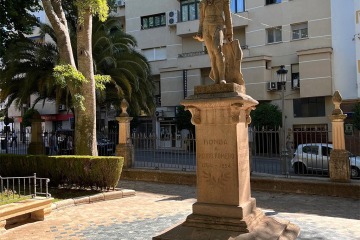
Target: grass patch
(65, 193)
(6, 200)
(58, 194)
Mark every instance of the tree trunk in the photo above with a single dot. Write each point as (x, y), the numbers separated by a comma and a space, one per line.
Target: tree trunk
(85, 121)
(58, 21)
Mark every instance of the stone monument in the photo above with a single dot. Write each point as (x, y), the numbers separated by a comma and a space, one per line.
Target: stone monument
(124, 147)
(339, 167)
(220, 112)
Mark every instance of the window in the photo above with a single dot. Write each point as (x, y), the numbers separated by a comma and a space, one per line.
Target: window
(299, 31)
(326, 151)
(237, 6)
(272, 1)
(154, 54)
(295, 76)
(311, 150)
(189, 10)
(153, 21)
(274, 35)
(309, 107)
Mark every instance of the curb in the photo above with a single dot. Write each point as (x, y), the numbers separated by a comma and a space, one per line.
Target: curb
(105, 196)
(258, 182)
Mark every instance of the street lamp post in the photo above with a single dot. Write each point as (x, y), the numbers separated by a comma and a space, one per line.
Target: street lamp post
(282, 74)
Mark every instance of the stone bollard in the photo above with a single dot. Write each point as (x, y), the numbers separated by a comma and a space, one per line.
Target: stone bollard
(339, 165)
(125, 148)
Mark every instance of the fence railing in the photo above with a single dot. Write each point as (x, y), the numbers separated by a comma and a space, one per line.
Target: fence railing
(266, 148)
(23, 187)
(164, 152)
(60, 142)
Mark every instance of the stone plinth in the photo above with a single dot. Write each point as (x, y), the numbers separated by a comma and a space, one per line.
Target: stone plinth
(339, 168)
(224, 207)
(126, 151)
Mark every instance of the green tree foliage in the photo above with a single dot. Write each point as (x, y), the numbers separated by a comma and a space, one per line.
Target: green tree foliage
(16, 20)
(115, 55)
(356, 116)
(183, 119)
(266, 115)
(27, 70)
(122, 72)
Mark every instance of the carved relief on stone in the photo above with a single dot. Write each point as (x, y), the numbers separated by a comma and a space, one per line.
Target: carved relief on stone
(337, 99)
(218, 181)
(195, 112)
(235, 112)
(124, 106)
(248, 117)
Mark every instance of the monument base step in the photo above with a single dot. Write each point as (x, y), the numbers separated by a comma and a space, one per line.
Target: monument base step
(241, 225)
(267, 228)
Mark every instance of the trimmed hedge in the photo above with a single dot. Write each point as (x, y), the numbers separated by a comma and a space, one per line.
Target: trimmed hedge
(82, 171)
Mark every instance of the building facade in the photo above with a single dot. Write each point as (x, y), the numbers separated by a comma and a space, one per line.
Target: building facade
(313, 39)
(318, 42)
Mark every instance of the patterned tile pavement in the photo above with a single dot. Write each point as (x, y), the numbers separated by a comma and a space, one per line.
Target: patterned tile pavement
(159, 206)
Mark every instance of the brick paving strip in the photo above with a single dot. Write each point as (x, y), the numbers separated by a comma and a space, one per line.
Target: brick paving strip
(156, 207)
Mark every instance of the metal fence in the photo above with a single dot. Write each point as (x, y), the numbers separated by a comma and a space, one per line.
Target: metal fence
(269, 154)
(13, 188)
(60, 142)
(166, 152)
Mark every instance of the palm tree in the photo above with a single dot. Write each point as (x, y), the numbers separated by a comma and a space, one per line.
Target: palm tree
(28, 68)
(114, 55)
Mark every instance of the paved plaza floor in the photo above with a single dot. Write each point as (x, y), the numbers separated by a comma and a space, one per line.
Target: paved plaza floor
(159, 206)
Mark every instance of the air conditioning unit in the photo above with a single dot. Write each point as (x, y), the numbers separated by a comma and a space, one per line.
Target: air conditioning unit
(172, 17)
(159, 113)
(120, 3)
(62, 107)
(272, 86)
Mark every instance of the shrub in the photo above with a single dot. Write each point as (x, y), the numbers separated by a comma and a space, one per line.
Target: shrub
(82, 171)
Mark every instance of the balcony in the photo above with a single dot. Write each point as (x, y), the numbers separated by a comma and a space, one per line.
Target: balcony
(190, 28)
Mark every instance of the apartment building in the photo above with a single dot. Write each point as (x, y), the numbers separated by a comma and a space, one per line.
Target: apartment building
(315, 40)
(318, 42)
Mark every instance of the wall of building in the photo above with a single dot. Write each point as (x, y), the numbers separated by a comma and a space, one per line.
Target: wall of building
(357, 42)
(344, 54)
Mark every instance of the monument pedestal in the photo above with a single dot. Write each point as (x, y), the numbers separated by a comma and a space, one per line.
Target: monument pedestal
(224, 207)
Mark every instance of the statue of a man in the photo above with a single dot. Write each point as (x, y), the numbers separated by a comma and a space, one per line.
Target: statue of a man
(214, 14)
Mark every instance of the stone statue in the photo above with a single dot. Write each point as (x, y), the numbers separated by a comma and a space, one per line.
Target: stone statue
(224, 58)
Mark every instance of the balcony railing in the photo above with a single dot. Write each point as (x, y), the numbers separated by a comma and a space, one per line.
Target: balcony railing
(192, 54)
(199, 53)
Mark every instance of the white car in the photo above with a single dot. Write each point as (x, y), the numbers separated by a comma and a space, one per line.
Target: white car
(316, 156)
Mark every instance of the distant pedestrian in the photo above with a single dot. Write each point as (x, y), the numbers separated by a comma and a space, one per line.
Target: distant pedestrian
(53, 144)
(13, 139)
(69, 145)
(46, 143)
